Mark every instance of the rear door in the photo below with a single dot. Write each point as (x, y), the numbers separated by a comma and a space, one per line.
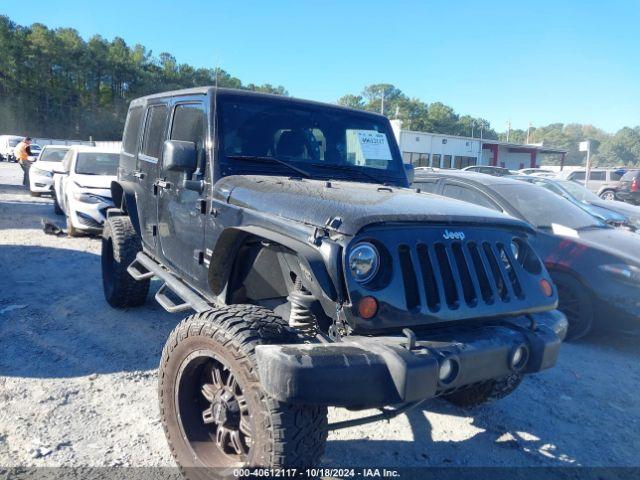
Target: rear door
(154, 133)
(180, 217)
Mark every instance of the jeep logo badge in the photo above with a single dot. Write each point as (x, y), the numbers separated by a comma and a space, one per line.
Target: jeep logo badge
(447, 235)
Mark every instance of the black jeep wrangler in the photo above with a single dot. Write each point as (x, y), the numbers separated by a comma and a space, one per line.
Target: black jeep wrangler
(318, 277)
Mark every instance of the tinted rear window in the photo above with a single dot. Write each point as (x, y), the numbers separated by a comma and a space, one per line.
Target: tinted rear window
(132, 130)
(154, 130)
(629, 176)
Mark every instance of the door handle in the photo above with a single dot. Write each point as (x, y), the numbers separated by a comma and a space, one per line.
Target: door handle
(138, 174)
(163, 184)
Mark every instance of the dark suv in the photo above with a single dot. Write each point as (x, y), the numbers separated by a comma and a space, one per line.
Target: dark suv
(628, 190)
(318, 277)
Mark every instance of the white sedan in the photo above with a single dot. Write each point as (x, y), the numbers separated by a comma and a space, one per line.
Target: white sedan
(41, 171)
(82, 188)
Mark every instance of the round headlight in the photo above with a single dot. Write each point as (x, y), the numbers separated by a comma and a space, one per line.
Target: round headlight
(515, 249)
(364, 262)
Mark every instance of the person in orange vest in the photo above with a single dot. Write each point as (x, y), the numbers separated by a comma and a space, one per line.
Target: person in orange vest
(22, 152)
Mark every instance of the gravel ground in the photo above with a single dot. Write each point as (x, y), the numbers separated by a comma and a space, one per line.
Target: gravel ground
(78, 379)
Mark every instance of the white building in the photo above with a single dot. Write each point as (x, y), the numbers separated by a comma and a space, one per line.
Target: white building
(449, 151)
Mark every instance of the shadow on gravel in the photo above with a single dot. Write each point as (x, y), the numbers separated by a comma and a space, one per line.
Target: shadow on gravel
(55, 323)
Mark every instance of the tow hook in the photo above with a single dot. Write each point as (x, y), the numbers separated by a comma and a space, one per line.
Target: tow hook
(411, 338)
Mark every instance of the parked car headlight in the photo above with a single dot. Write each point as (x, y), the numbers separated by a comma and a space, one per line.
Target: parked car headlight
(364, 262)
(629, 273)
(39, 171)
(87, 197)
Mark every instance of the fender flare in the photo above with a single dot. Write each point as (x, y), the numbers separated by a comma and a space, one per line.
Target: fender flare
(323, 282)
(126, 201)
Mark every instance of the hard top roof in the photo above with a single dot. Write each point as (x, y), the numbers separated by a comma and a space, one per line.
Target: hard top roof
(234, 92)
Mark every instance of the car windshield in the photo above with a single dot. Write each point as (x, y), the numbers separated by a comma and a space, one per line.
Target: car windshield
(14, 142)
(542, 208)
(53, 154)
(324, 142)
(578, 192)
(97, 163)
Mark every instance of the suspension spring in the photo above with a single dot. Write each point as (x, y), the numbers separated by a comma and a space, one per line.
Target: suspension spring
(301, 317)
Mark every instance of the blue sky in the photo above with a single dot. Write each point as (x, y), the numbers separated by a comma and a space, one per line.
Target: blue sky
(539, 62)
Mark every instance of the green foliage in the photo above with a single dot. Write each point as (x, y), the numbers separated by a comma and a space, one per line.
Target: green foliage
(623, 148)
(416, 114)
(53, 83)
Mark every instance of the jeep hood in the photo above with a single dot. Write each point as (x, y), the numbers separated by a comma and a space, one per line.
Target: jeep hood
(314, 202)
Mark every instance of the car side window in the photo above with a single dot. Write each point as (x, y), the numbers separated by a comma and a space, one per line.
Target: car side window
(578, 176)
(154, 129)
(468, 194)
(429, 186)
(188, 125)
(615, 176)
(131, 130)
(598, 176)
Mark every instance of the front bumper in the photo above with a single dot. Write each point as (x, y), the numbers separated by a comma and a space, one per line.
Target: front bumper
(40, 183)
(363, 372)
(88, 217)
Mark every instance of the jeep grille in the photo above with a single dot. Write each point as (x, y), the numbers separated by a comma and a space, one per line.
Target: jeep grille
(455, 273)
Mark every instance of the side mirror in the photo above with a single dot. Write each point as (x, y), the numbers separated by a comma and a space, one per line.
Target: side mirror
(410, 171)
(59, 170)
(179, 156)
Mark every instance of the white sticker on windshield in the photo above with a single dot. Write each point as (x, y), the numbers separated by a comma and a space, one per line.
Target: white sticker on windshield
(558, 229)
(374, 145)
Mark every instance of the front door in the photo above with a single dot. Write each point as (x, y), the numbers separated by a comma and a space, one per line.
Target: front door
(180, 219)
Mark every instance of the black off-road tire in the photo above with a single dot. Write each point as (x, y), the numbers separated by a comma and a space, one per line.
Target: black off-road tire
(575, 302)
(282, 435)
(120, 245)
(485, 392)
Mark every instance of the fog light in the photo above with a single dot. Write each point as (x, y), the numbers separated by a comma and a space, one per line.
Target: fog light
(519, 357)
(448, 370)
(367, 307)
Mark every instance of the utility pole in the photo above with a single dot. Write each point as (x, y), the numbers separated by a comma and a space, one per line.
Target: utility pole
(508, 129)
(473, 124)
(382, 104)
(528, 130)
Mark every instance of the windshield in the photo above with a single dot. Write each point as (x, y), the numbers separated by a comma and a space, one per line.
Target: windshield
(324, 142)
(97, 163)
(578, 191)
(14, 142)
(542, 208)
(53, 154)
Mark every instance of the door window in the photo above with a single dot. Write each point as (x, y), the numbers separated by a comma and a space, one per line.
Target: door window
(154, 131)
(131, 130)
(429, 186)
(598, 176)
(188, 124)
(578, 176)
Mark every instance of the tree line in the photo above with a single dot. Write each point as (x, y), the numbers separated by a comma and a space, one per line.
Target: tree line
(621, 148)
(53, 83)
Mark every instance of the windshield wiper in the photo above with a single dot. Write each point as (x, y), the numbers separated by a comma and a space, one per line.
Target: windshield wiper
(266, 158)
(343, 168)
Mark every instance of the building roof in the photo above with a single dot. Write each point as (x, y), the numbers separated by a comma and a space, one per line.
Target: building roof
(486, 141)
